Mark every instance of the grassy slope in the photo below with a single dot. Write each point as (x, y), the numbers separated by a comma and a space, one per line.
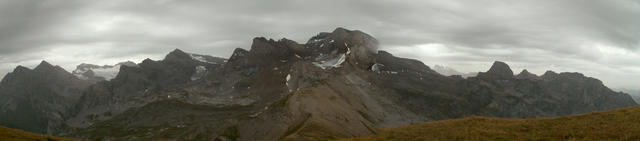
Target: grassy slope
(620, 124)
(8, 134)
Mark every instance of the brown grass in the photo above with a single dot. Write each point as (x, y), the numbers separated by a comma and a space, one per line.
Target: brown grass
(620, 124)
(8, 134)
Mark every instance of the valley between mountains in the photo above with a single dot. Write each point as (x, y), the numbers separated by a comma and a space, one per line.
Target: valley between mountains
(336, 85)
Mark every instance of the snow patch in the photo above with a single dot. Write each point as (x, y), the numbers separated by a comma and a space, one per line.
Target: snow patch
(376, 67)
(200, 58)
(201, 71)
(316, 40)
(287, 82)
(107, 73)
(80, 76)
(389, 72)
(331, 63)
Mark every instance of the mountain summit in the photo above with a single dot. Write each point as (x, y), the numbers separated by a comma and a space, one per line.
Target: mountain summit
(525, 74)
(38, 100)
(337, 84)
(499, 70)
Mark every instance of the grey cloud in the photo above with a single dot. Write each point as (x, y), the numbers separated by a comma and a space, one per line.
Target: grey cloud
(538, 33)
(26, 24)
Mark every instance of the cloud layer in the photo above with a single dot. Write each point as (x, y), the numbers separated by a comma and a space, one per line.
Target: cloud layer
(598, 38)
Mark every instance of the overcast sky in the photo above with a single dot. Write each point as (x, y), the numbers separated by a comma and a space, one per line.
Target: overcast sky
(599, 38)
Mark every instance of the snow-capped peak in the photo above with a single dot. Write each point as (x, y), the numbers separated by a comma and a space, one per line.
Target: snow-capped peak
(334, 62)
(200, 58)
(107, 72)
(206, 58)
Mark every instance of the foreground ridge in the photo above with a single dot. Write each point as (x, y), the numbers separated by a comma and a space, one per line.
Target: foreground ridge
(19, 135)
(619, 124)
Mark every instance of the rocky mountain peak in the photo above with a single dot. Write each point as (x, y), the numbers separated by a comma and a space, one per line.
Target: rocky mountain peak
(237, 53)
(48, 90)
(21, 69)
(269, 47)
(18, 71)
(177, 54)
(526, 75)
(549, 75)
(146, 60)
(44, 65)
(359, 48)
(500, 69)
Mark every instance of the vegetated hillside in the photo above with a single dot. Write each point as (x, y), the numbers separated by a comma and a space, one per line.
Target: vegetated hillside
(8, 134)
(620, 124)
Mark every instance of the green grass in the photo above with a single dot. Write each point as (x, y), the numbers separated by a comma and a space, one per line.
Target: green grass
(620, 124)
(8, 134)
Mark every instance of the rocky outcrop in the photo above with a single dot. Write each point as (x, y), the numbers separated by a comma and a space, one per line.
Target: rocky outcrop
(135, 86)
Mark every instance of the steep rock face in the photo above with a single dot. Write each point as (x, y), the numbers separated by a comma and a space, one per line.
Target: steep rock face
(38, 100)
(135, 86)
(337, 84)
(236, 90)
(282, 82)
(553, 95)
(414, 86)
(499, 70)
(585, 94)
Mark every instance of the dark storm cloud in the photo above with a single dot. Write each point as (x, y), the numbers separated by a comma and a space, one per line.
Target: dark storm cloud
(568, 35)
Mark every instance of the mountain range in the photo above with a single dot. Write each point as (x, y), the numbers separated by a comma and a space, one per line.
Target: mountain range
(447, 71)
(337, 84)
